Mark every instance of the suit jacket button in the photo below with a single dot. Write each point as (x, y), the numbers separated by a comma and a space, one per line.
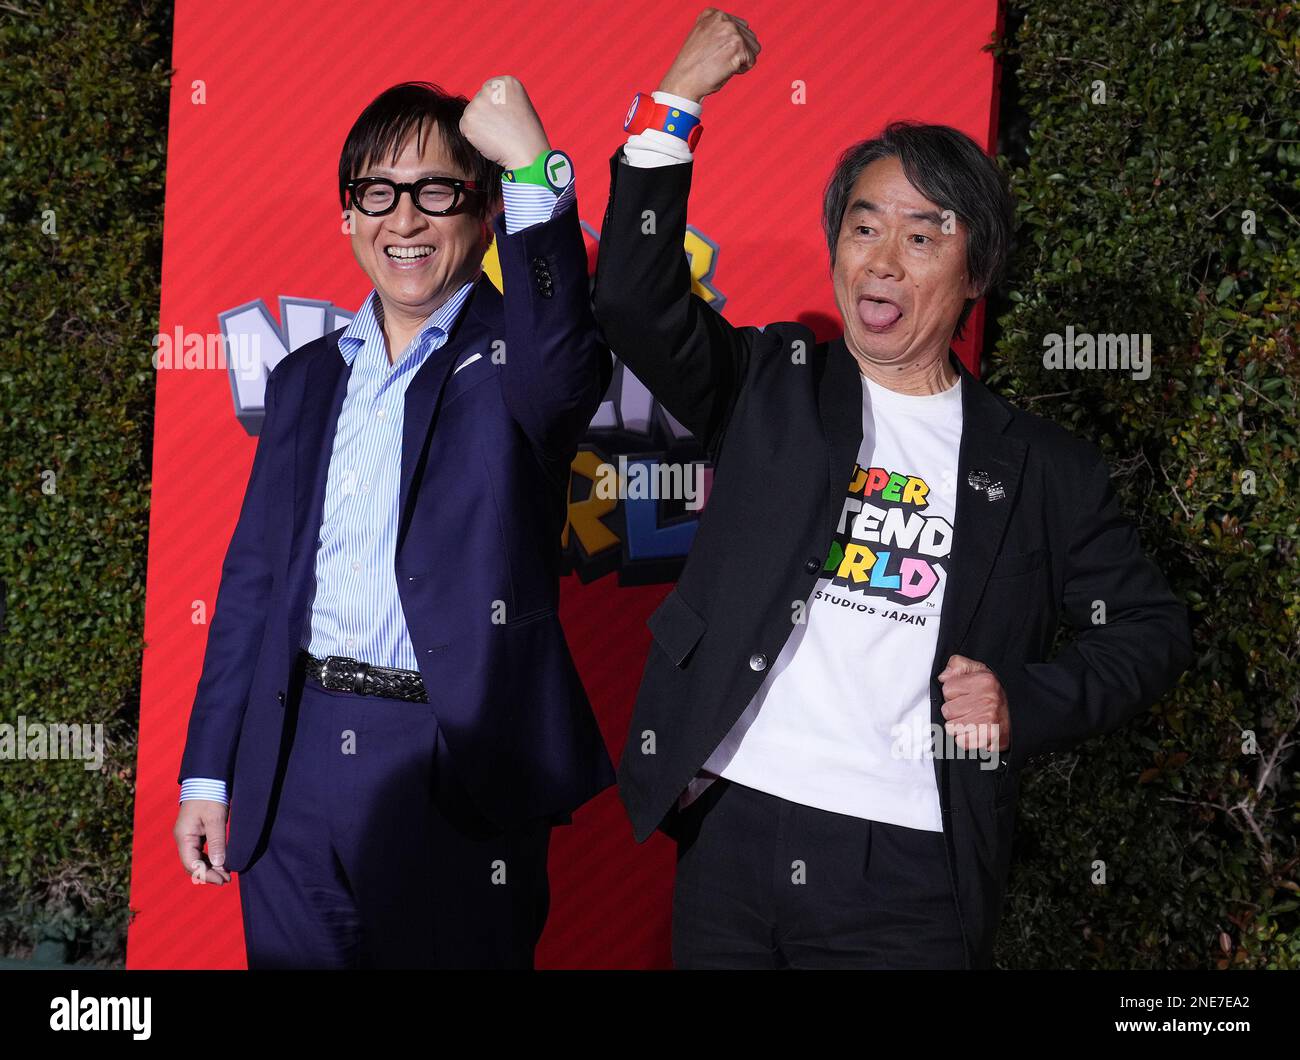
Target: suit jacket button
(758, 661)
(280, 697)
(811, 566)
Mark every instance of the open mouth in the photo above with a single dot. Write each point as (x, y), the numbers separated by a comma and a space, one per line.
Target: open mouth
(878, 314)
(408, 257)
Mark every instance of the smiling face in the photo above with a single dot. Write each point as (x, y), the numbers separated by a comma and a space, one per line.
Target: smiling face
(415, 261)
(900, 281)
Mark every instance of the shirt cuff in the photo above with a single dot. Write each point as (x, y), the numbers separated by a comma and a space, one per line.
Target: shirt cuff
(204, 788)
(692, 107)
(654, 147)
(530, 204)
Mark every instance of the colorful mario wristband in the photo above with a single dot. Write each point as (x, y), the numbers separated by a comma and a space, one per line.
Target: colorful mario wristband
(645, 113)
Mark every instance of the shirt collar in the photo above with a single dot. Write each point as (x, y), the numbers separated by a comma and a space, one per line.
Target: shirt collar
(368, 325)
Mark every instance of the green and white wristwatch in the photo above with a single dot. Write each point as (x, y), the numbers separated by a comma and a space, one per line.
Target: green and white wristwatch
(550, 169)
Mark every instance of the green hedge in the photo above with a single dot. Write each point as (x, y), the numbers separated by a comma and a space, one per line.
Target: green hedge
(1130, 219)
(83, 118)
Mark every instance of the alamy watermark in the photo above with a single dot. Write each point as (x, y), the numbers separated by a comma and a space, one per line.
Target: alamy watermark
(1084, 349)
(35, 741)
(933, 740)
(650, 480)
(208, 351)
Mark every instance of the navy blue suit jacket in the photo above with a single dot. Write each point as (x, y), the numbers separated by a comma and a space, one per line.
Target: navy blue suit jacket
(484, 484)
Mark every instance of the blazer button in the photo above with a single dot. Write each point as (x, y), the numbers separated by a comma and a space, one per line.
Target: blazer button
(811, 566)
(280, 697)
(758, 661)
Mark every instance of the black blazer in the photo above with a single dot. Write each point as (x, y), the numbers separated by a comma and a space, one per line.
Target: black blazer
(781, 417)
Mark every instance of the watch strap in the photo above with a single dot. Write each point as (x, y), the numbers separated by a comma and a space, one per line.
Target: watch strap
(551, 169)
(646, 112)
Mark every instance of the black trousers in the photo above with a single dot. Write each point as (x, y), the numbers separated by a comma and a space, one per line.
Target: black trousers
(375, 856)
(767, 883)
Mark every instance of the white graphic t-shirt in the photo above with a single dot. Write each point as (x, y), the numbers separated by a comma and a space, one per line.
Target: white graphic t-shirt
(842, 720)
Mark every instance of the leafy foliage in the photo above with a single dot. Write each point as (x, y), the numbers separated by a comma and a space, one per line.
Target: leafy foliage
(83, 119)
(1170, 209)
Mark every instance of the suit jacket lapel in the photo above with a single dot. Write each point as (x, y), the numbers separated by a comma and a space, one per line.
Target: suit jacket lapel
(480, 321)
(324, 387)
(840, 399)
(989, 467)
(988, 480)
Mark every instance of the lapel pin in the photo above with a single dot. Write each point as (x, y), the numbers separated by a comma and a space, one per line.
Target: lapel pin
(979, 481)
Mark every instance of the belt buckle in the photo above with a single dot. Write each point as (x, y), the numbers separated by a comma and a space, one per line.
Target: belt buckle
(350, 680)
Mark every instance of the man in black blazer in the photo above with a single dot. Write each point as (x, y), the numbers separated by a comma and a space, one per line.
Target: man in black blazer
(852, 670)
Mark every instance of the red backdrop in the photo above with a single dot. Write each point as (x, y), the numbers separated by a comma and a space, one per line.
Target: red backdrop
(267, 99)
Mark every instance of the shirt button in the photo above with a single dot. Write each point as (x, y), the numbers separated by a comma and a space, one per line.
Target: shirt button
(758, 661)
(380, 414)
(365, 487)
(811, 566)
(356, 565)
(350, 642)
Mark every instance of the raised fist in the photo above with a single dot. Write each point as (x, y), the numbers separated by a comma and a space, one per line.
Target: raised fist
(501, 124)
(718, 47)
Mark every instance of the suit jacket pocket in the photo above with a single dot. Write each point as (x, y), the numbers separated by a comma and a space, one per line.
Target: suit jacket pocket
(471, 376)
(1012, 563)
(676, 627)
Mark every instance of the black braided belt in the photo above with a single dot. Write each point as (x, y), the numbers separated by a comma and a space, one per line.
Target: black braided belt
(341, 674)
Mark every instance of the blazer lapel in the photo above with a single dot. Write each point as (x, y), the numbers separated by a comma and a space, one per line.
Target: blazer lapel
(988, 479)
(324, 388)
(840, 399)
(479, 322)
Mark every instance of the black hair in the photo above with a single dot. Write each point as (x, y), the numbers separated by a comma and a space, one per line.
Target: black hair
(948, 168)
(415, 107)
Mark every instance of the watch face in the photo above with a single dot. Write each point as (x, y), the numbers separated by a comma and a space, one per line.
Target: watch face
(559, 170)
(631, 111)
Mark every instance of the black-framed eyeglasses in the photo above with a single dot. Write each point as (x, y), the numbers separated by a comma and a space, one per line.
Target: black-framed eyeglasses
(436, 196)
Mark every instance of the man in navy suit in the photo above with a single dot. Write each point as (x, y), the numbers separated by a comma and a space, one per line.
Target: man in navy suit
(387, 704)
